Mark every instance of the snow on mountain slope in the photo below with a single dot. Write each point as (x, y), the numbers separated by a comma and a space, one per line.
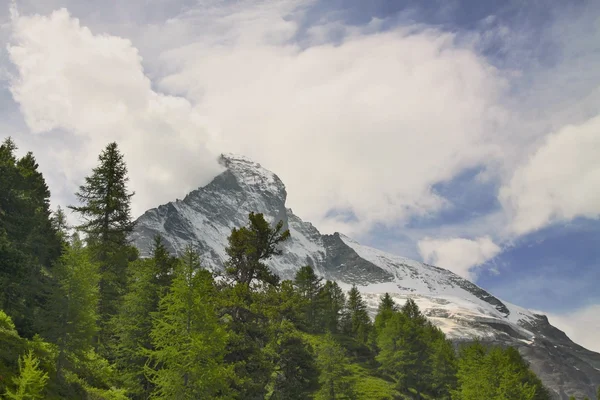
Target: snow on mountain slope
(464, 311)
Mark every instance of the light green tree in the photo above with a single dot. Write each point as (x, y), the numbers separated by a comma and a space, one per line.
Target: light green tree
(30, 382)
(188, 340)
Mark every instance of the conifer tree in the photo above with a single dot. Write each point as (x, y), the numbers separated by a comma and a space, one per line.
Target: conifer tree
(296, 374)
(335, 378)
(333, 301)
(358, 323)
(308, 285)
(149, 281)
(106, 212)
(31, 381)
(73, 306)
(250, 246)
(188, 341)
(29, 244)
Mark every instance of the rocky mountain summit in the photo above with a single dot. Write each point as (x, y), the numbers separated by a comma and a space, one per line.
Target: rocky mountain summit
(460, 308)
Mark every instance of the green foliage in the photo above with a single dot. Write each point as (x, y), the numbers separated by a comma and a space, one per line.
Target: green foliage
(308, 286)
(114, 327)
(149, 279)
(250, 246)
(295, 374)
(357, 321)
(31, 381)
(106, 211)
(497, 374)
(73, 305)
(332, 301)
(29, 244)
(335, 379)
(189, 342)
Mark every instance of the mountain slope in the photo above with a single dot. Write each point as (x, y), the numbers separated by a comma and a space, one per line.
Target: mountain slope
(460, 308)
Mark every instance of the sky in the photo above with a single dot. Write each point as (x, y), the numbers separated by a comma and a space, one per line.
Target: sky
(462, 133)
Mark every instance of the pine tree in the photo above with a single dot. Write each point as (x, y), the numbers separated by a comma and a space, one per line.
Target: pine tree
(73, 306)
(188, 340)
(358, 322)
(250, 246)
(31, 381)
(308, 285)
(335, 378)
(106, 211)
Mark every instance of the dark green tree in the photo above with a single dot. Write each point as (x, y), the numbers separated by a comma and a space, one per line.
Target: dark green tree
(73, 306)
(358, 323)
(308, 285)
(106, 212)
(335, 380)
(250, 246)
(296, 374)
(332, 302)
(29, 244)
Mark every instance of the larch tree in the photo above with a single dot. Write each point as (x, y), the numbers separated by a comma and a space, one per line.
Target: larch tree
(188, 340)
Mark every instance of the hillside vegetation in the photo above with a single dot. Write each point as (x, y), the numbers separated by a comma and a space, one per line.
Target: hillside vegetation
(84, 317)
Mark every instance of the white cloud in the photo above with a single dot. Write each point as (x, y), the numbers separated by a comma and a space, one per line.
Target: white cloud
(458, 255)
(559, 181)
(366, 125)
(94, 87)
(582, 326)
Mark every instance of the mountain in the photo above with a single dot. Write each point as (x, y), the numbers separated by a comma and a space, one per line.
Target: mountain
(460, 308)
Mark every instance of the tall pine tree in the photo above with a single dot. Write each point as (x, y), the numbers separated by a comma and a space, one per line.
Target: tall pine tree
(106, 213)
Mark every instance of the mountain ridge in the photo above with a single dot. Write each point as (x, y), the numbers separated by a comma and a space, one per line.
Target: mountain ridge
(459, 307)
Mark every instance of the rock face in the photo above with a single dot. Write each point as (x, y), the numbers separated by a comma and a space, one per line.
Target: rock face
(464, 311)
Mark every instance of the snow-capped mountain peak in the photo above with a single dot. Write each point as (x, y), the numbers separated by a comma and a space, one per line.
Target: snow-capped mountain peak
(464, 311)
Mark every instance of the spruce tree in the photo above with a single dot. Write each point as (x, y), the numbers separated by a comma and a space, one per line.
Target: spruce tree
(358, 323)
(106, 212)
(29, 244)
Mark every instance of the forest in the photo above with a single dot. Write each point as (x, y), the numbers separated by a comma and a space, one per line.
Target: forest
(83, 316)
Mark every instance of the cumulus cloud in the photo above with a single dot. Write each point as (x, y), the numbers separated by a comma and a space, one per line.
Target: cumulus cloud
(367, 124)
(558, 182)
(93, 86)
(582, 325)
(458, 255)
